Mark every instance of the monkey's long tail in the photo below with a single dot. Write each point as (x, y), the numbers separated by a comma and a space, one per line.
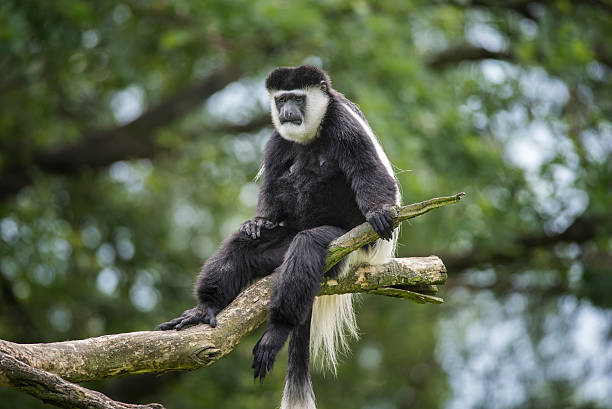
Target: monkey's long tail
(298, 393)
(333, 324)
(333, 316)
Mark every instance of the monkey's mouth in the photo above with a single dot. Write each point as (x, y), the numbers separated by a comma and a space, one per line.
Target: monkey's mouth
(291, 121)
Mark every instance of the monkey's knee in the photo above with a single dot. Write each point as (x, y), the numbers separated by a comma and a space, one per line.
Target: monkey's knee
(300, 274)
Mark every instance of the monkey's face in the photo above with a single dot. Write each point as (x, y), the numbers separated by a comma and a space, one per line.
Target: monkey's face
(291, 107)
(297, 113)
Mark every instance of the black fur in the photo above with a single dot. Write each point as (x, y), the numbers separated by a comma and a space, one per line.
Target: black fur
(319, 190)
(288, 78)
(297, 379)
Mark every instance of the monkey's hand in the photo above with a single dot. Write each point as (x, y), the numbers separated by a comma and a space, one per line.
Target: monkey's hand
(382, 222)
(201, 313)
(252, 228)
(267, 348)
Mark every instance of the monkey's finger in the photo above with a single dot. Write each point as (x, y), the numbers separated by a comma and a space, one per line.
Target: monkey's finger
(205, 319)
(271, 360)
(188, 313)
(262, 366)
(187, 321)
(170, 324)
(387, 222)
(374, 224)
(252, 230)
(211, 317)
(255, 366)
(389, 219)
(258, 367)
(246, 229)
(259, 361)
(256, 347)
(379, 227)
(386, 233)
(181, 325)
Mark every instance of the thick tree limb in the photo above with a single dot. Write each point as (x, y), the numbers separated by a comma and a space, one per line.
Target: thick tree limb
(195, 347)
(582, 230)
(30, 367)
(52, 389)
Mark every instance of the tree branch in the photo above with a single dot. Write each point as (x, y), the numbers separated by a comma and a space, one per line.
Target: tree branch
(255, 123)
(134, 139)
(199, 346)
(582, 230)
(465, 52)
(364, 234)
(107, 356)
(52, 389)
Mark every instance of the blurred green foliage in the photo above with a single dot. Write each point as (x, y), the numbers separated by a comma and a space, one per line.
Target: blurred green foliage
(103, 231)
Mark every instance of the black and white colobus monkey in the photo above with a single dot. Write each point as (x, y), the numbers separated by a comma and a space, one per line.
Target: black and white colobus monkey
(324, 172)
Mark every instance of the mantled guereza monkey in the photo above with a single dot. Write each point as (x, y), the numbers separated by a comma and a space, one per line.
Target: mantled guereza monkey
(324, 172)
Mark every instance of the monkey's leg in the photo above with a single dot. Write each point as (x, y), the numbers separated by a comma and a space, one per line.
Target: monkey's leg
(225, 273)
(297, 284)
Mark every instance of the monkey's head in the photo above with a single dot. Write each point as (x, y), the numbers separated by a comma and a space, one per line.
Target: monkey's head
(298, 101)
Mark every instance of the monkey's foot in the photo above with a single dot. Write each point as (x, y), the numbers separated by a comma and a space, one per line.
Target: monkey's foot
(267, 348)
(201, 313)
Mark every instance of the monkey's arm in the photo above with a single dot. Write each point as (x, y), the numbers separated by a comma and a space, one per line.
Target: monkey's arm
(375, 189)
(269, 212)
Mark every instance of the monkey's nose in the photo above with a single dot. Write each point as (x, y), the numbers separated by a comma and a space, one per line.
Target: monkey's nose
(289, 115)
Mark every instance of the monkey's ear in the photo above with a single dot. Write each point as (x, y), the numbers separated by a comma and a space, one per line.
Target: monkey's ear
(323, 86)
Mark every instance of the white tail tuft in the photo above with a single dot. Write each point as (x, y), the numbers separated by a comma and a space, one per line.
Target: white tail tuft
(296, 396)
(333, 317)
(333, 322)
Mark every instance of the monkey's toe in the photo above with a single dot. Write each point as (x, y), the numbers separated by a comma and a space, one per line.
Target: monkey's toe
(263, 362)
(201, 313)
(266, 349)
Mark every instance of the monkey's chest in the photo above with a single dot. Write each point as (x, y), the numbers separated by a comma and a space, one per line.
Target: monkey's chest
(311, 175)
(316, 192)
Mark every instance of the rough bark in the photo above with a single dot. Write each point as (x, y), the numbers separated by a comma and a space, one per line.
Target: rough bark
(52, 389)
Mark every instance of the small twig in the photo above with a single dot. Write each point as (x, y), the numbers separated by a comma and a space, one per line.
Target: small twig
(364, 233)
